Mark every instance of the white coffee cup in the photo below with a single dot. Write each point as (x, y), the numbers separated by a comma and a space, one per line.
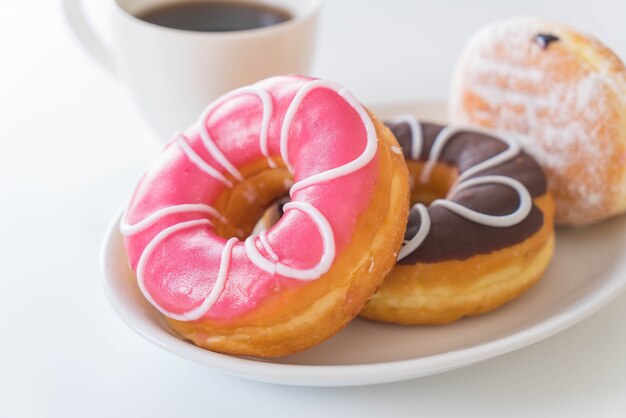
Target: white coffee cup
(173, 74)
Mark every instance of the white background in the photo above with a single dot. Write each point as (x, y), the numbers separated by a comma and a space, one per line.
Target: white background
(72, 149)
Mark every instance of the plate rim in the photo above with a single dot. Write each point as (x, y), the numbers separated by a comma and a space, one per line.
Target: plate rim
(355, 374)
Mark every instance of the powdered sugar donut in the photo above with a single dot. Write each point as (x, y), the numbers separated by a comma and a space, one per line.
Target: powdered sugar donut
(564, 96)
(284, 289)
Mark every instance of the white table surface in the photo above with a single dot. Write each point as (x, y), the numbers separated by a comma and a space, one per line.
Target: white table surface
(72, 149)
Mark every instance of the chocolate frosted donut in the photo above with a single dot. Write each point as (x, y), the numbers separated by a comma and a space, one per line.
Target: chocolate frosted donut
(480, 230)
(465, 150)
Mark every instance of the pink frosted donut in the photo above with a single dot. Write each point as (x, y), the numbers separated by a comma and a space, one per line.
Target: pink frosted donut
(282, 290)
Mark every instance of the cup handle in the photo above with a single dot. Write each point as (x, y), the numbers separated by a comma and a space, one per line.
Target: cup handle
(78, 23)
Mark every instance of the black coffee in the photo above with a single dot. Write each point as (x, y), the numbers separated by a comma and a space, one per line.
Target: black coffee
(215, 16)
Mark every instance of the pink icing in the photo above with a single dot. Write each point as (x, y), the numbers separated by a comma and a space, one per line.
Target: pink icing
(182, 269)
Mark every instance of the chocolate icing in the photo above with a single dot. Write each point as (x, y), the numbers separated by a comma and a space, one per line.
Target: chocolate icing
(453, 237)
(544, 39)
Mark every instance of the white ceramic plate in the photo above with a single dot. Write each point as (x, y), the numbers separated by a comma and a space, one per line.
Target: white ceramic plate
(588, 271)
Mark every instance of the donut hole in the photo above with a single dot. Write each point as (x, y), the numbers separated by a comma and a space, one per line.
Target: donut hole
(272, 214)
(252, 201)
(437, 186)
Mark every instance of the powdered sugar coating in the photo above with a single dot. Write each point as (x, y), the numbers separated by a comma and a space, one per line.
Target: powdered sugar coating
(562, 102)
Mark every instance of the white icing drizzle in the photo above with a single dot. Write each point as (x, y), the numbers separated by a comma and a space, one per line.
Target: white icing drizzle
(361, 161)
(328, 252)
(417, 140)
(220, 280)
(200, 163)
(274, 266)
(211, 147)
(464, 182)
(435, 152)
(128, 229)
(508, 154)
(449, 132)
(265, 243)
(412, 244)
(499, 221)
